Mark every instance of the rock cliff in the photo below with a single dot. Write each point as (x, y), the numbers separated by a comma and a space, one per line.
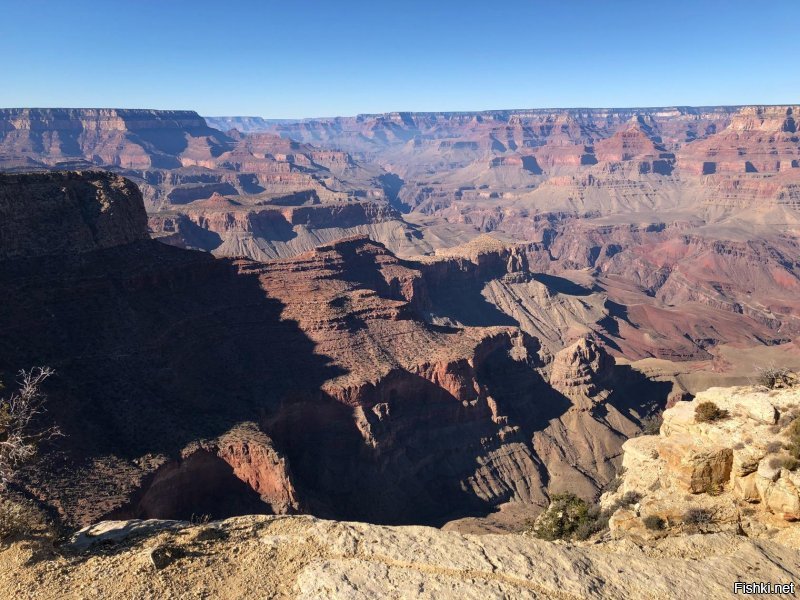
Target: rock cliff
(319, 383)
(68, 213)
(734, 473)
(663, 215)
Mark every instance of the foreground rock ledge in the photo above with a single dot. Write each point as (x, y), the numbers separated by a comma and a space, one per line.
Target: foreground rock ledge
(304, 557)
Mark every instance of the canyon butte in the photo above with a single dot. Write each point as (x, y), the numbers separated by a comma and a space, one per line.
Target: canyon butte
(441, 319)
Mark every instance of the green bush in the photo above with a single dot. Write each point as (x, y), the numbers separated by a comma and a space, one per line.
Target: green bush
(571, 518)
(708, 412)
(562, 518)
(652, 425)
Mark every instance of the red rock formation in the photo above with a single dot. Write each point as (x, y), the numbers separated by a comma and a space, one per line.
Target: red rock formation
(188, 384)
(581, 372)
(757, 140)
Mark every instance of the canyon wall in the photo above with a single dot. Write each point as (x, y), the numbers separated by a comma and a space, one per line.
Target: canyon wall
(315, 384)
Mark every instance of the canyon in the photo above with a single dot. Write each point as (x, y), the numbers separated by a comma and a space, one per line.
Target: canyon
(342, 326)
(752, 535)
(675, 229)
(401, 318)
(344, 382)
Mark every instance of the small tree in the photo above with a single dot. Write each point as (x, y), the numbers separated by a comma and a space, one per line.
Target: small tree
(20, 435)
(652, 425)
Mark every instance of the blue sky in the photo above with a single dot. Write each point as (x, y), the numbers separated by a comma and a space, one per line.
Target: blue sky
(338, 57)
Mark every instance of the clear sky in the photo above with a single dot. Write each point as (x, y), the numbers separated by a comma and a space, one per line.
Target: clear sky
(294, 58)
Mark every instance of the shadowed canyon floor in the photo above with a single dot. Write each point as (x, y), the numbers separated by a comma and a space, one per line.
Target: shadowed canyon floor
(339, 382)
(751, 535)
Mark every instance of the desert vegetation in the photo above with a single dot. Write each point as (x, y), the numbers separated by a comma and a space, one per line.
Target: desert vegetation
(654, 523)
(773, 377)
(708, 412)
(652, 425)
(792, 462)
(569, 517)
(20, 436)
(698, 517)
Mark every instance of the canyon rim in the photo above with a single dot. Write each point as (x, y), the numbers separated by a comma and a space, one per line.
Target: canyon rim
(410, 350)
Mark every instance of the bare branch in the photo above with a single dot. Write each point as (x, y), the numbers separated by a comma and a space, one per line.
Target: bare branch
(19, 436)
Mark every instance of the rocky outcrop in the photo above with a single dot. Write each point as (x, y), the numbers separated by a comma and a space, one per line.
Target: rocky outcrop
(301, 557)
(131, 139)
(68, 213)
(174, 155)
(581, 372)
(735, 470)
(356, 405)
(285, 225)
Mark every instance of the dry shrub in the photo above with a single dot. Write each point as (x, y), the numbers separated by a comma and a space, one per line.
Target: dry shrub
(652, 425)
(698, 517)
(708, 412)
(793, 433)
(790, 463)
(654, 523)
(20, 432)
(773, 377)
(22, 520)
(773, 447)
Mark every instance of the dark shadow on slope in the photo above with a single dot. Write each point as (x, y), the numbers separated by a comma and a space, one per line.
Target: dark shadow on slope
(464, 303)
(455, 292)
(200, 486)
(392, 184)
(520, 391)
(429, 443)
(530, 164)
(417, 445)
(561, 285)
(189, 234)
(154, 347)
(616, 312)
(637, 396)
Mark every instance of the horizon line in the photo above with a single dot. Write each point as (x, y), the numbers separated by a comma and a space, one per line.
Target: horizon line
(422, 112)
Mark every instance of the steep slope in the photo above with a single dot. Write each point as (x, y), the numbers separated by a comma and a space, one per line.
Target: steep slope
(188, 383)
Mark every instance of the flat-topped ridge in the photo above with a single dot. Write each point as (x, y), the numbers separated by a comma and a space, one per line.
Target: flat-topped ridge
(67, 212)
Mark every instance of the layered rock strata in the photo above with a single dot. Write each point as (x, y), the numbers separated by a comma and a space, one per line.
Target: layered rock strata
(188, 384)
